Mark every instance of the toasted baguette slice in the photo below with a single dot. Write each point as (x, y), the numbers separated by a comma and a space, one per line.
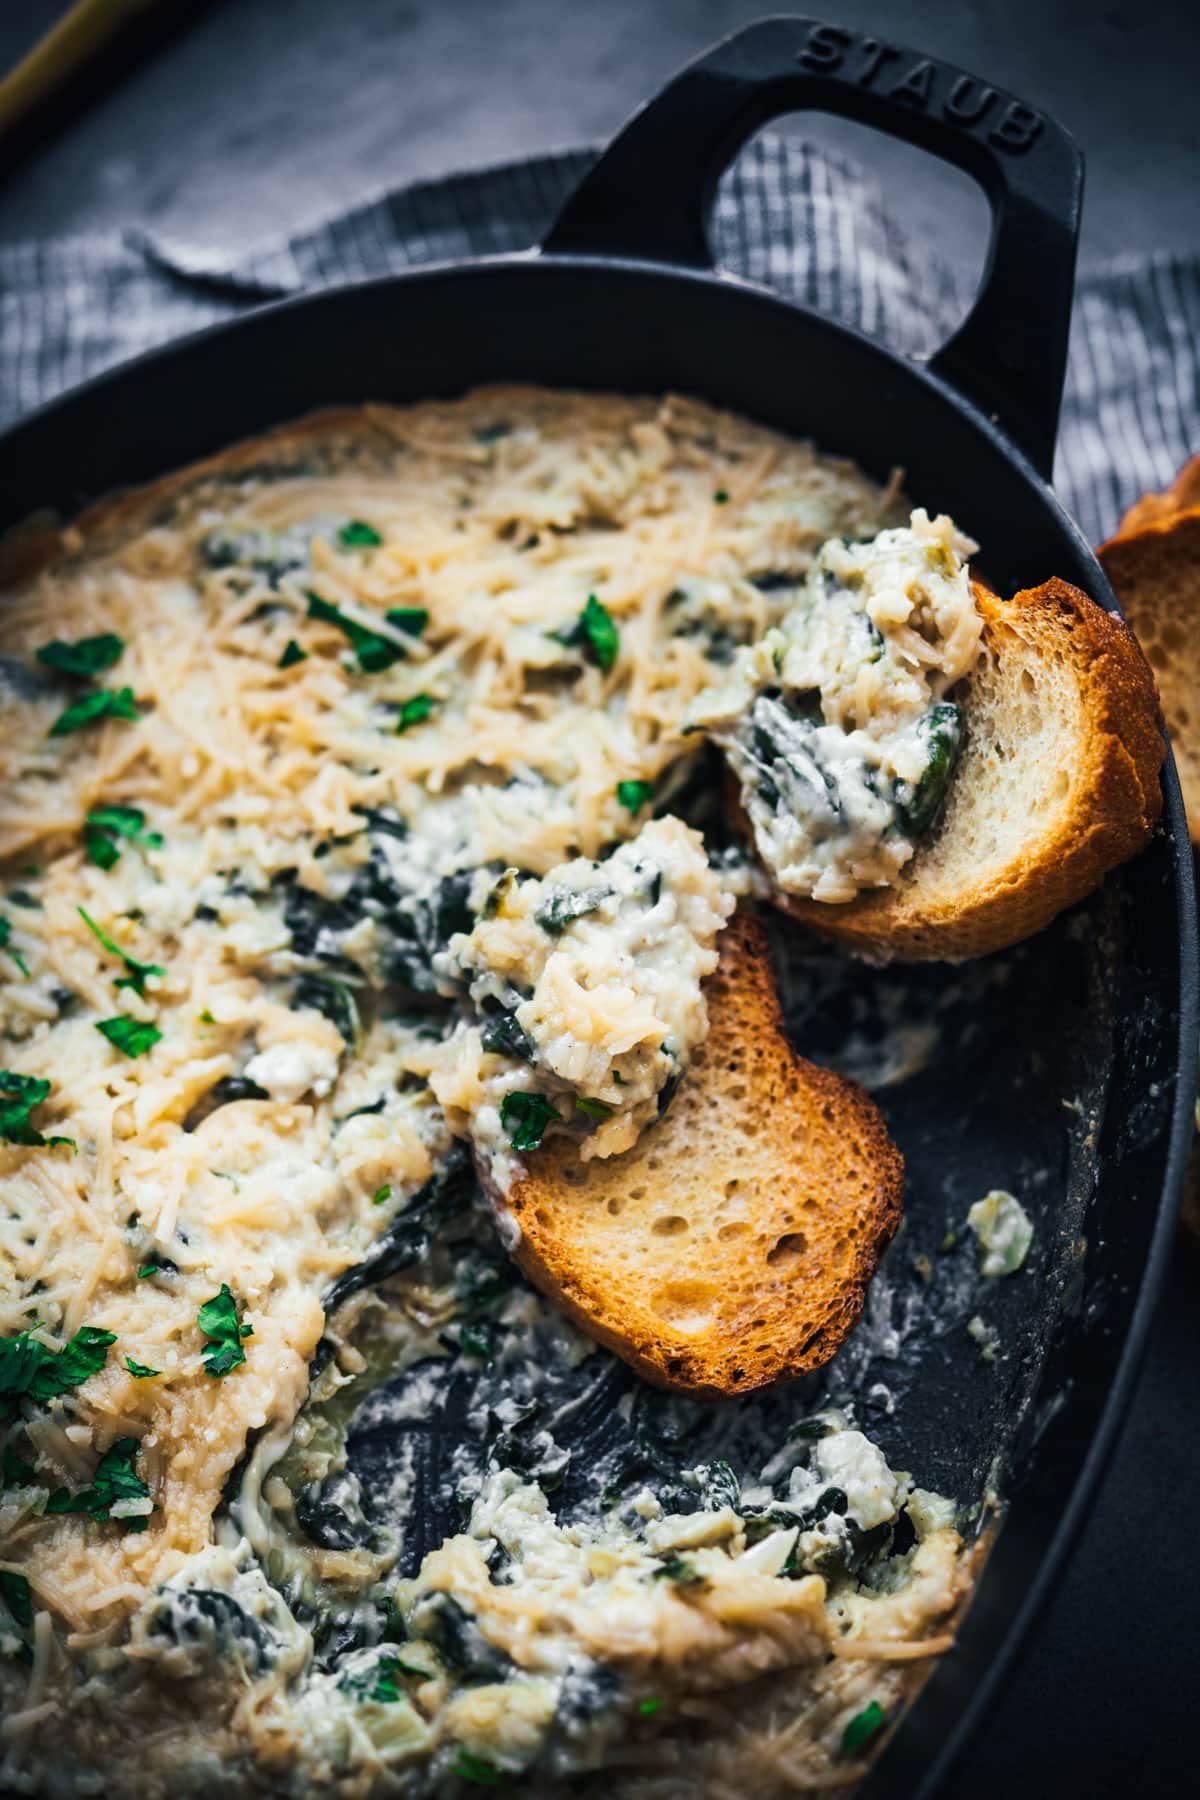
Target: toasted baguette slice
(1155, 572)
(1183, 495)
(1058, 783)
(731, 1248)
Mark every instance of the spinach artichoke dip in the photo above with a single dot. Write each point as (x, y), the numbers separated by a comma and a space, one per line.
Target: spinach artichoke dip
(358, 820)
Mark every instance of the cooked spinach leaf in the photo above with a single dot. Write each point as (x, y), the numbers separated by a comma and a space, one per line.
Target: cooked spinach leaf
(563, 904)
(943, 734)
(333, 1000)
(411, 1233)
(504, 1037)
(222, 1093)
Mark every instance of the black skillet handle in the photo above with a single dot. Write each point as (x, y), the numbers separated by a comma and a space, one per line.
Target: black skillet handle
(651, 193)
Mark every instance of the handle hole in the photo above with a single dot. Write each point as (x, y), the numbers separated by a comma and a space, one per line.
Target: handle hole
(915, 225)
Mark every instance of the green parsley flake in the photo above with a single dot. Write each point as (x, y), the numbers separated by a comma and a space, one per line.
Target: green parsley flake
(218, 1320)
(414, 710)
(140, 1370)
(411, 619)
(358, 535)
(292, 654)
(525, 1117)
(594, 633)
(633, 795)
(721, 496)
(595, 1109)
(100, 847)
(862, 1728)
(469, 1767)
(116, 1493)
(99, 703)
(374, 652)
(132, 1037)
(20, 1096)
(648, 1708)
(381, 1196)
(29, 1370)
(137, 971)
(5, 935)
(87, 656)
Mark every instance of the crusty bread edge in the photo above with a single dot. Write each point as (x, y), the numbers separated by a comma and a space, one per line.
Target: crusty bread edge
(1122, 802)
(746, 937)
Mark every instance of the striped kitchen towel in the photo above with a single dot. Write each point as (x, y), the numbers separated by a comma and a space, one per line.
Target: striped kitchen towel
(788, 215)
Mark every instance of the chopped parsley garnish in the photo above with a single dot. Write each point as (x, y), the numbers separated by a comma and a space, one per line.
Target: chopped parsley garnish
(105, 824)
(648, 1708)
(595, 1109)
(137, 972)
(633, 795)
(5, 934)
(374, 652)
(862, 1728)
(26, 901)
(14, 1591)
(86, 657)
(28, 1368)
(292, 654)
(594, 633)
(381, 1196)
(218, 1320)
(140, 1370)
(414, 710)
(412, 619)
(100, 847)
(677, 1569)
(563, 904)
(469, 1767)
(132, 1037)
(99, 703)
(525, 1118)
(358, 535)
(504, 1037)
(115, 1483)
(721, 496)
(20, 1096)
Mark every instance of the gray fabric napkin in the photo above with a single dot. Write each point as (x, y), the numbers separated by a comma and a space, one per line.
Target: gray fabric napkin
(787, 215)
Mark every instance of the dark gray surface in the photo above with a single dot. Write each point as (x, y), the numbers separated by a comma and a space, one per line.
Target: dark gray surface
(266, 114)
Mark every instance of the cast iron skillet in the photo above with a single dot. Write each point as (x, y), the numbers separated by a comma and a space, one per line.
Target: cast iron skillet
(1066, 1068)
